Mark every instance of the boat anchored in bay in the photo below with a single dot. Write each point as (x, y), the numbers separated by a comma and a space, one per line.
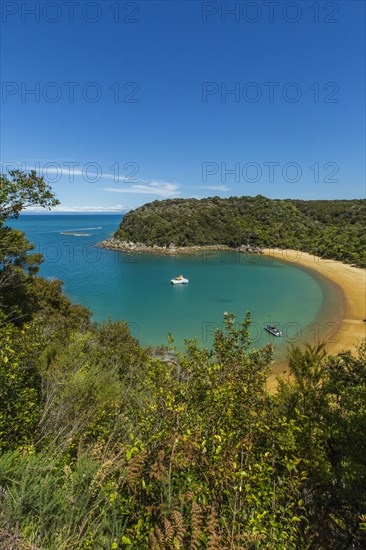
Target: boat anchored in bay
(273, 330)
(180, 280)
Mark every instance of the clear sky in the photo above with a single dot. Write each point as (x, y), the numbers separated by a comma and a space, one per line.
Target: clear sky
(122, 103)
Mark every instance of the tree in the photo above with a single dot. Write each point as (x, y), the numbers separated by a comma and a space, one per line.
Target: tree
(17, 192)
(21, 191)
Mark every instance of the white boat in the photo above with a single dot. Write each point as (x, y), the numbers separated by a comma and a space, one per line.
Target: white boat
(180, 280)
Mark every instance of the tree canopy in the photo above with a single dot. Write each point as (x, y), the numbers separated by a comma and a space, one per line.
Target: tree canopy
(19, 189)
(331, 229)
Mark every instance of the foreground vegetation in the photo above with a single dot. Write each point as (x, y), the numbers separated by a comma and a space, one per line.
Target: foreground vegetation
(105, 445)
(331, 229)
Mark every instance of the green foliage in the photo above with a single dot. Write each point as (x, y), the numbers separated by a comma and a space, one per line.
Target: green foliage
(58, 506)
(83, 383)
(176, 450)
(20, 387)
(20, 190)
(27, 298)
(17, 265)
(179, 452)
(327, 395)
(333, 229)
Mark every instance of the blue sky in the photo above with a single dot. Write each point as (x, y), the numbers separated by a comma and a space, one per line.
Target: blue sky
(135, 105)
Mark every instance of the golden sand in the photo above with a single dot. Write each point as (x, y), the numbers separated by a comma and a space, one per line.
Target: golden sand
(351, 283)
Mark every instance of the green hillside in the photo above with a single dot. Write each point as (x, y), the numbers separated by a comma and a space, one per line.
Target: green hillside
(331, 229)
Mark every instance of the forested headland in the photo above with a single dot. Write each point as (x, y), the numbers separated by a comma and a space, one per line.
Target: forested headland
(327, 228)
(106, 445)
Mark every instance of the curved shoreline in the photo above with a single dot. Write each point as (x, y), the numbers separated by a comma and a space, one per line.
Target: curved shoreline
(350, 281)
(343, 331)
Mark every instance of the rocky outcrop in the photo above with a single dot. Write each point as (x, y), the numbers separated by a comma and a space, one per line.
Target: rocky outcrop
(250, 249)
(129, 246)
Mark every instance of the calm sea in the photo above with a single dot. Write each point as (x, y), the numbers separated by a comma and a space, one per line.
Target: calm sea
(136, 289)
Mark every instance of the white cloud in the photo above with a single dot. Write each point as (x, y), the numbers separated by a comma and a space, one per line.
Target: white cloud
(161, 189)
(213, 187)
(135, 185)
(217, 187)
(89, 175)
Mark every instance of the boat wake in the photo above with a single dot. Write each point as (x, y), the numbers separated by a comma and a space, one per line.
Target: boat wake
(75, 234)
(75, 231)
(85, 229)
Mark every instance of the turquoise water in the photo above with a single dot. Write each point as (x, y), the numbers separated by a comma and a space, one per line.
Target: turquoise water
(136, 288)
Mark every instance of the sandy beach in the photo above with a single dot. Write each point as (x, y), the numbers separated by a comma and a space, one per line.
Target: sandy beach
(351, 283)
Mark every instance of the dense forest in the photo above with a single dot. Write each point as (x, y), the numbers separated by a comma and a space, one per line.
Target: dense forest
(105, 445)
(330, 228)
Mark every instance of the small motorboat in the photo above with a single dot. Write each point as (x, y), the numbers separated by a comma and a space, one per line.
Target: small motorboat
(273, 330)
(180, 280)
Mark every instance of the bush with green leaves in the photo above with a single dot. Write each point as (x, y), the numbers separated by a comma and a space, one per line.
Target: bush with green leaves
(182, 452)
(327, 397)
